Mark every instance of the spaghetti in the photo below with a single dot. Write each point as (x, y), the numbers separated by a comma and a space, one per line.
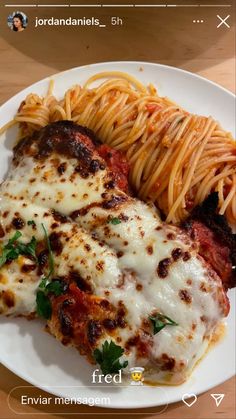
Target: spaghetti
(176, 158)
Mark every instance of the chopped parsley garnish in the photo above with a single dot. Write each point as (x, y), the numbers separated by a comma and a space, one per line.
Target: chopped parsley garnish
(31, 223)
(55, 287)
(28, 249)
(108, 357)
(159, 321)
(44, 307)
(114, 221)
(14, 248)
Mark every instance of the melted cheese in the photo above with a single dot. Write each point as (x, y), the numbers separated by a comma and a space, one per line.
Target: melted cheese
(127, 267)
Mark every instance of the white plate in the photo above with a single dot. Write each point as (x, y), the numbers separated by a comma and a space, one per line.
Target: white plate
(37, 357)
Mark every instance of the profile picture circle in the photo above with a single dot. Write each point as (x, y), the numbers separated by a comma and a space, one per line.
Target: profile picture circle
(17, 21)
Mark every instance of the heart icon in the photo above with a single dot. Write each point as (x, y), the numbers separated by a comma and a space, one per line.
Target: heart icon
(186, 399)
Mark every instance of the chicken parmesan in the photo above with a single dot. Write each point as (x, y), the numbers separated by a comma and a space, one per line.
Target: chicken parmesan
(110, 277)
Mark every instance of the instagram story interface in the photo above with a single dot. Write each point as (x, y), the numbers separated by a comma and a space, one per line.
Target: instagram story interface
(117, 208)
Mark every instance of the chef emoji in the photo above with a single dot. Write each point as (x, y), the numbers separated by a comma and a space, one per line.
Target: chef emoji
(136, 376)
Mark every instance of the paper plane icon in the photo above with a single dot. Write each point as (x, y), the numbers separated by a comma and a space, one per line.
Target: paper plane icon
(218, 398)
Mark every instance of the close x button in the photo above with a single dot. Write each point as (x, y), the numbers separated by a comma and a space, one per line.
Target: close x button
(223, 21)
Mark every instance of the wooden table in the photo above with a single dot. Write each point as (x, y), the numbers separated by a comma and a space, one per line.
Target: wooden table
(34, 54)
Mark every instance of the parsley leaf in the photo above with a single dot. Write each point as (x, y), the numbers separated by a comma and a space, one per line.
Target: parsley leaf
(114, 221)
(6, 255)
(31, 223)
(108, 357)
(16, 236)
(44, 307)
(28, 249)
(56, 287)
(14, 248)
(159, 321)
(43, 283)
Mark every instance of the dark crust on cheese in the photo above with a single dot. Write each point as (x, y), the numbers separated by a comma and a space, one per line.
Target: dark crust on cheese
(8, 298)
(64, 137)
(69, 140)
(185, 296)
(109, 203)
(2, 232)
(163, 267)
